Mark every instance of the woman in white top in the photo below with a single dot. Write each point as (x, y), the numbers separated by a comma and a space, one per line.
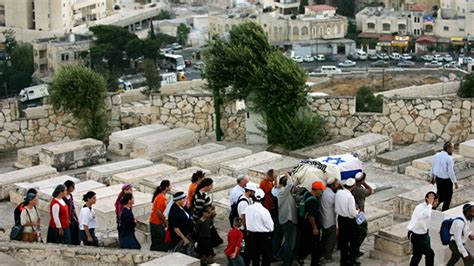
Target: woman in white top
(87, 220)
(30, 219)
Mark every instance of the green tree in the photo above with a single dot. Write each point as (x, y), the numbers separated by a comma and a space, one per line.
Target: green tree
(467, 87)
(80, 91)
(151, 32)
(303, 3)
(352, 31)
(367, 102)
(153, 78)
(10, 41)
(22, 58)
(345, 8)
(182, 33)
(164, 14)
(18, 74)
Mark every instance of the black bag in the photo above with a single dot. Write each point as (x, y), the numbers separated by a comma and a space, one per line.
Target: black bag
(216, 240)
(233, 210)
(16, 232)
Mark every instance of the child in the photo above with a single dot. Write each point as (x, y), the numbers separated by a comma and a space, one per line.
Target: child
(204, 244)
(234, 240)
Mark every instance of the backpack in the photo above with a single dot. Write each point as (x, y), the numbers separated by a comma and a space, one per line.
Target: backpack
(233, 209)
(302, 205)
(444, 230)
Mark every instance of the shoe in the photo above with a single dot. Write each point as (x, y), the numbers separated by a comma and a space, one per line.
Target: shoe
(275, 259)
(352, 262)
(360, 254)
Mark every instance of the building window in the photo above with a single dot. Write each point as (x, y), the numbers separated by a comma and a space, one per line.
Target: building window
(304, 31)
(386, 27)
(417, 19)
(429, 28)
(64, 57)
(371, 26)
(461, 29)
(446, 28)
(402, 27)
(296, 31)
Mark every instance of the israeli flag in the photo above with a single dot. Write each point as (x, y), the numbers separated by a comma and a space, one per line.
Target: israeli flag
(348, 164)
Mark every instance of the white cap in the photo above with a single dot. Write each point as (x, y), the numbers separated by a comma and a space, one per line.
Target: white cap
(350, 182)
(330, 181)
(251, 186)
(359, 175)
(259, 194)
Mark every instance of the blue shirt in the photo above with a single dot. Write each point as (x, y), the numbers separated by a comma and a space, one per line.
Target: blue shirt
(442, 166)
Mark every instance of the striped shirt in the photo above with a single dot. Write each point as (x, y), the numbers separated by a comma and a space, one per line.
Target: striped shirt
(200, 200)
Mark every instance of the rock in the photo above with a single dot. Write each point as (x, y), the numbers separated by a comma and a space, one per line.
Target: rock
(427, 114)
(436, 104)
(325, 107)
(400, 124)
(12, 126)
(466, 105)
(439, 111)
(346, 132)
(377, 127)
(411, 128)
(394, 117)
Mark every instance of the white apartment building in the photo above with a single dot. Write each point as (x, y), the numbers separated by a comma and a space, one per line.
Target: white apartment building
(455, 19)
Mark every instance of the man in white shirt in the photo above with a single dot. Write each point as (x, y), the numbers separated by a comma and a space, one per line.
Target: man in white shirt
(461, 232)
(442, 173)
(346, 210)
(239, 189)
(246, 200)
(418, 231)
(259, 227)
(328, 215)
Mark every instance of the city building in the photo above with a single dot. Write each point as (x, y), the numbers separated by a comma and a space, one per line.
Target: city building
(51, 53)
(319, 31)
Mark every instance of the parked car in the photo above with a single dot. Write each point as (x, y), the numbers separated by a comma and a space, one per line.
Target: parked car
(395, 56)
(308, 58)
(332, 58)
(451, 64)
(176, 46)
(353, 57)
(347, 63)
(298, 59)
(330, 70)
(406, 64)
(448, 58)
(320, 58)
(373, 57)
(199, 65)
(427, 58)
(468, 60)
(438, 57)
(362, 55)
(407, 57)
(383, 56)
(379, 63)
(433, 64)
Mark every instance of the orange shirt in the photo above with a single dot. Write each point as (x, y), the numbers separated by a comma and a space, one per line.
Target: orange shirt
(266, 186)
(158, 204)
(191, 192)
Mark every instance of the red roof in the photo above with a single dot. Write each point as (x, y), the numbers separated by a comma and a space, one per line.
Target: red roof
(386, 38)
(420, 7)
(426, 39)
(316, 8)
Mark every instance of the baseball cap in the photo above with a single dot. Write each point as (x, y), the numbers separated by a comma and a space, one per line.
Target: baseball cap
(330, 181)
(350, 182)
(259, 194)
(251, 186)
(318, 185)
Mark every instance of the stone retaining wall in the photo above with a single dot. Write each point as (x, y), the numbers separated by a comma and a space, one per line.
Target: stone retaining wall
(405, 120)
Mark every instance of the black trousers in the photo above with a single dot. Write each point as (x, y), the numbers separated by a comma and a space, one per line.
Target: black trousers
(421, 246)
(260, 245)
(456, 255)
(310, 244)
(348, 239)
(444, 189)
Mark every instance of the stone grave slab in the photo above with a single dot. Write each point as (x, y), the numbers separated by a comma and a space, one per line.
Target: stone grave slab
(149, 184)
(46, 187)
(221, 182)
(75, 154)
(121, 142)
(222, 205)
(420, 168)
(406, 154)
(467, 148)
(101, 193)
(28, 157)
(104, 173)
(392, 244)
(105, 210)
(153, 147)
(182, 159)
(135, 176)
(377, 218)
(317, 150)
(366, 146)
(241, 165)
(282, 165)
(213, 160)
(174, 259)
(30, 174)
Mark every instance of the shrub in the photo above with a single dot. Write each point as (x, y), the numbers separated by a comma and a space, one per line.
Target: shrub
(467, 87)
(367, 102)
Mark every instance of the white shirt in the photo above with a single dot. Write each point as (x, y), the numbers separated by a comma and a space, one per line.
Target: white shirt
(328, 211)
(235, 194)
(460, 231)
(55, 210)
(243, 205)
(258, 219)
(442, 166)
(420, 219)
(87, 217)
(345, 204)
(24, 218)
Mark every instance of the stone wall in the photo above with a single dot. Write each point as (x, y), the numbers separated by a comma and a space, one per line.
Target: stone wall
(436, 89)
(405, 120)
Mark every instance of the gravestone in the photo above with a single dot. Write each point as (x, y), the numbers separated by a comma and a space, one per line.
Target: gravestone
(30, 174)
(241, 165)
(467, 148)
(213, 160)
(182, 158)
(281, 166)
(121, 142)
(174, 259)
(135, 176)
(149, 184)
(398, 160)
(365, 147)
(103, 173)
(28, 157)
(221, 182)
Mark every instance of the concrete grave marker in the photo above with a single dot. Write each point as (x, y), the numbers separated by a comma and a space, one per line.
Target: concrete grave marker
(103, 173)
(30, 174)
(28, 157)
(182, 159)
(366, 146)
(221, 182)
(149, 184)
(213, 160)
(135, 176)
(467, 148)
(281, 166)
(241, 165)
(121, 142)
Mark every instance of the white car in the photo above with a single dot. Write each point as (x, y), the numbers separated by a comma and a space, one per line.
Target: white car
(395, 56)
(448, 58)
(320, 58)
(407, 57)
(298, 59)
(438, 57)
(450, 65)
(433, 64)
(347, 63)
(383, 56)
(308, 58)
(427, 58)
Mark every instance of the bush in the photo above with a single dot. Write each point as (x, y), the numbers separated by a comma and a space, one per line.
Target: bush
(367, 102)
(467, 87)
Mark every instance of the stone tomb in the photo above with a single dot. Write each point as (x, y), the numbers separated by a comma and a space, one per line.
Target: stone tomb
(213, 160)
(45, 194)
(154, 147)
(28, 157)
(366, 146)
(398, 160)
(101, 193)
(30, 174)
(135, 176)
(392, 244)
(377, 218)
(182, 159)
(467, 148)
(420, 168)
(281, 166)
(103, 173)
(18, 194)
(149, 184)
(241, 165)
(121, 142)
(221, 182)
(105, 210)
(75, 154)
